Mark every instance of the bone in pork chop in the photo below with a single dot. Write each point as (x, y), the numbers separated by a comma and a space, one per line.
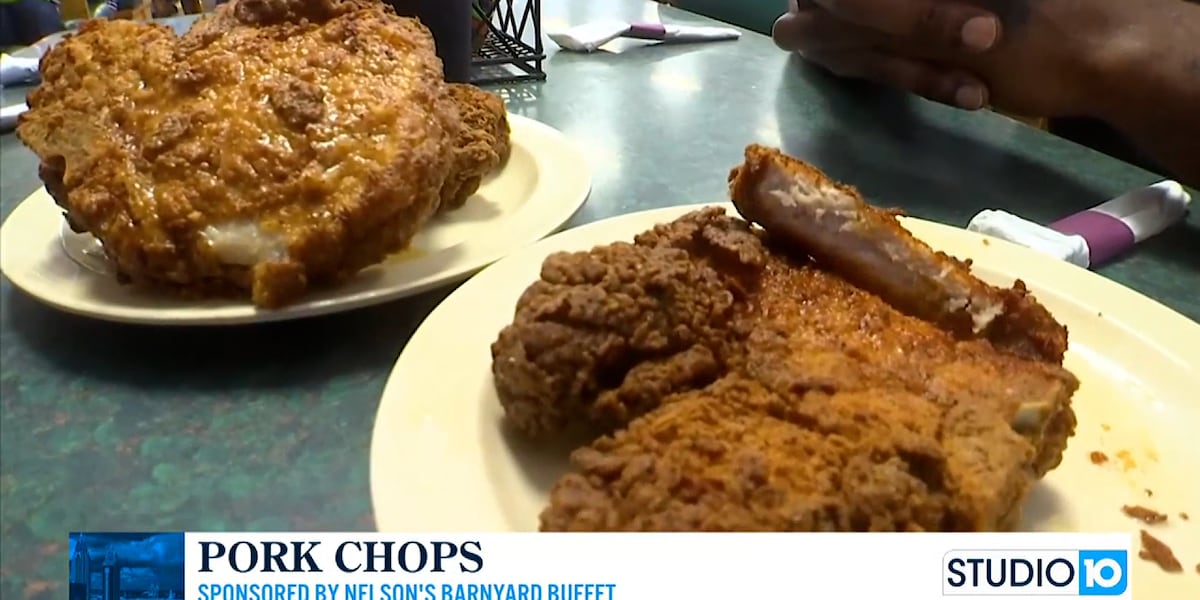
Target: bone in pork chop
(743, 386)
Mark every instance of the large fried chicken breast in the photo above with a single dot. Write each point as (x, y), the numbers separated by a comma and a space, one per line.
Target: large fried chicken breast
(278, 145)
(741, 382)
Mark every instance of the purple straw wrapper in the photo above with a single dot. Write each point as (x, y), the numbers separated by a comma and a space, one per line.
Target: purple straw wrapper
(649, 31)
(1106, 235)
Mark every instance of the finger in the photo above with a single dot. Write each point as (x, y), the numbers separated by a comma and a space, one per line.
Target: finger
(819, 31)
(947, 24)
(956, 88)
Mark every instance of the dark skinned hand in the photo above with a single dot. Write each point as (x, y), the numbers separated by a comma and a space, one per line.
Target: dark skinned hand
(1035, 57)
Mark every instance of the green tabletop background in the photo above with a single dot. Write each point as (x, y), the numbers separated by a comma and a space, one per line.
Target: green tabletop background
(117, 427)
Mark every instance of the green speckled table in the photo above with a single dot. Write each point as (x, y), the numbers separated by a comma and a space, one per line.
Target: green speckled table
(115, 427)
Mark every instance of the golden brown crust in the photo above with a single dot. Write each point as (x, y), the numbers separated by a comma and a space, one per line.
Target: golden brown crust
(838, 228)
(832, 411)
(938, 432)
(747, 387)
(482, 146)
(603, 335)
(738, 456)
(323, 123)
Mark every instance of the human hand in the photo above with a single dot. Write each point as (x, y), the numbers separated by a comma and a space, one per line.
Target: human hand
(1062, 58)
(1040, 58)
(893, 42)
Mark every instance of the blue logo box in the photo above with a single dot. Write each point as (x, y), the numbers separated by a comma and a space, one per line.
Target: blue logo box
(116, 565)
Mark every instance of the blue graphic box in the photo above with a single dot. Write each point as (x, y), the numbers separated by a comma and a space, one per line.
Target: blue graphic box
(116, 565)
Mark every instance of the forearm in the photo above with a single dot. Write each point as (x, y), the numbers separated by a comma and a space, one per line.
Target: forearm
(1151, 90)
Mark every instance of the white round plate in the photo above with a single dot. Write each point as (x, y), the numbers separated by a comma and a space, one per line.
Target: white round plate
(441, 462)
(540, 187)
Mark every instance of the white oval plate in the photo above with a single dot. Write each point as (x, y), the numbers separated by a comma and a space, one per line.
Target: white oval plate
(540, 187)
(441, 462)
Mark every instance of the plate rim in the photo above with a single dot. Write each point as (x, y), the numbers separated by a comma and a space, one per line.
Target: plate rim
(565, 192)
(1165, 329)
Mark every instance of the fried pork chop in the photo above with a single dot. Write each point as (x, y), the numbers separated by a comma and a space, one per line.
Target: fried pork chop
(737, 457)
(744, 386)
(605, 334)
(278, 145)
(844, 414)
(832, 223)
(483, 143)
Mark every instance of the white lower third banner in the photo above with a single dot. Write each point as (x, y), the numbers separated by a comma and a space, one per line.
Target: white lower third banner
(646, 566)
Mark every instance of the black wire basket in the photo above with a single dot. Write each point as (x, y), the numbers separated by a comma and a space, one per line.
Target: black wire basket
(507, 42)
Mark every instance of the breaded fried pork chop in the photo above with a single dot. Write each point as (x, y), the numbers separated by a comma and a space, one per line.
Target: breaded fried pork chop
(868, 246)
(815, 405)
(605, 334)
(278, 145)
(482, 146)
(844, 415)
(737, 456)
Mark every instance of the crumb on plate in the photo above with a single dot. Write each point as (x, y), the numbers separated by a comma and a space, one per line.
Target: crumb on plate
(1098, 458)
(1154, 550)
(1143, 514)
(1126, 458)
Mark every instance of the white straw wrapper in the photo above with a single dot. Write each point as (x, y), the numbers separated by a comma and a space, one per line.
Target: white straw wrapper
(1094, 236)
(1007, 226)
(591, 36)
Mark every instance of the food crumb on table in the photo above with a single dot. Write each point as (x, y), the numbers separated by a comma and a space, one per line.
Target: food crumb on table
(1184, 516)
(1149, 492)
(1105, 427)
(1143, 514)
(1098, 458)
(1154, 550)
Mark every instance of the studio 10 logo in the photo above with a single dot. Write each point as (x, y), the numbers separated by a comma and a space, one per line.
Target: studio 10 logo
(1036, 573)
